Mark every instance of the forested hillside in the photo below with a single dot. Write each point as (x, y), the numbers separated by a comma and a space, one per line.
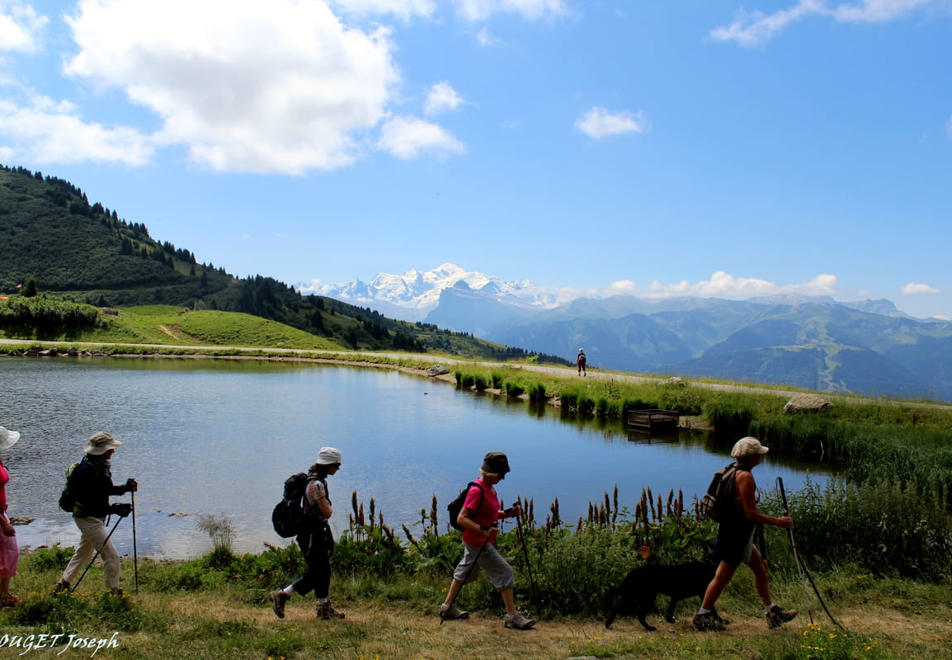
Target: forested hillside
(51, 235)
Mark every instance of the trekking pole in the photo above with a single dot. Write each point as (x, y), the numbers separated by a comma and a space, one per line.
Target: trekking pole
(796, 555)
(801, 565)
(465, 578)
(135, 549)
(525, 552)
(98, 550)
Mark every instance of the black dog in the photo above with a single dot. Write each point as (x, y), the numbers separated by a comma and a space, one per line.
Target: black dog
(637, 592)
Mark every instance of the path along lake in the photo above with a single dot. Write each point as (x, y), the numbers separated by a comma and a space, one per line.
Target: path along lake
(218, 437)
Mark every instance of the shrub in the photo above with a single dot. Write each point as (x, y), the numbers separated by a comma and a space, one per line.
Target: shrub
(480, 383)
(497, 381)
(514, 389)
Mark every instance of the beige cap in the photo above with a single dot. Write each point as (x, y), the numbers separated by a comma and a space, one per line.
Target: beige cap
(748, 447)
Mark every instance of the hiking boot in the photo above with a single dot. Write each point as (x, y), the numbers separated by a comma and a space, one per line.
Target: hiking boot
(10, 601)
(719, 618)
(452, 612)
(61, 587)
(518, 621)
(326, 611)
(776, 616)
(708, 622)
(278, 600)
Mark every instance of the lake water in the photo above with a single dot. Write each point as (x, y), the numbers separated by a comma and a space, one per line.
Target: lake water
(218, 437)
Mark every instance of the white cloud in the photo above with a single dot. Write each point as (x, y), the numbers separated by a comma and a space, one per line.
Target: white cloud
(402, 9)
(917, 289)
(599, 122)
(754, 28)
(484, 39)
(408, 137)
(480, 10)
(51, 132)
(441, 98)
(725, 285)
(281, 86)
(20, 27)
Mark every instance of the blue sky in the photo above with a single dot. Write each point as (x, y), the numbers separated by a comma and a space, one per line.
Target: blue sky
(701, 147)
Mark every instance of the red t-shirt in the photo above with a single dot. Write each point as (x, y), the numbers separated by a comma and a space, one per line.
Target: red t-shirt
(485, 513)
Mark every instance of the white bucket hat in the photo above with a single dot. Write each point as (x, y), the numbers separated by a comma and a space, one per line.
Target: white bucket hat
(748, 446)
(8, 438)
(328, 456)
(100, 443)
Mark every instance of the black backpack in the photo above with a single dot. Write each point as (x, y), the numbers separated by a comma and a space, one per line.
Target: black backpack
(717, 499)
(67, 500)
(291, 513)
(456, 505)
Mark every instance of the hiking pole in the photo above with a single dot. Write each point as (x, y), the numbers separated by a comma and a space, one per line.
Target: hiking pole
(793, 547)
(802, 565)
(98, 550)
(525, 552)
(465, 578)
(135, 549)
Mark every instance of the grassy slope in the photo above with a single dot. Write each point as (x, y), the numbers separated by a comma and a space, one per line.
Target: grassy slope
(396, 619)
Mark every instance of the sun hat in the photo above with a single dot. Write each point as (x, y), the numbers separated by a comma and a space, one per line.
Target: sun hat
(748, 447)
(8, 438)
(495, 462)
(328, 456)
(100, 443)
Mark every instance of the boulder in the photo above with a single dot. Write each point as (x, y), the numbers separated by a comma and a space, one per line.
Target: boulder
(806, 402)
(437, 370)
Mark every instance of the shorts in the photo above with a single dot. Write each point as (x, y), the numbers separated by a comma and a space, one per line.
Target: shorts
(497, 569)
(734, 549)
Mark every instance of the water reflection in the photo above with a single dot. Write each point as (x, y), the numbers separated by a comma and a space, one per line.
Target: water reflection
(219, 437)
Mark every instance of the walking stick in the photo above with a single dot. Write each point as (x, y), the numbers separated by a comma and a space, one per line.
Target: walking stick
(98, 550)
(525, 553)
(801, 565)
(135, 549)
(465, 578)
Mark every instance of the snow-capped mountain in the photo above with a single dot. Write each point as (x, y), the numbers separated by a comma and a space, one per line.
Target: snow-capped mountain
(413, 294)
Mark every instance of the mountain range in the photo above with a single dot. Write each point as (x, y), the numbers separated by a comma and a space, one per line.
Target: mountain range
(818, 343)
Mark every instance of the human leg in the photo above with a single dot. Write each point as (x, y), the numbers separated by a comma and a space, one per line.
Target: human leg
(84, 550)
(775, 615)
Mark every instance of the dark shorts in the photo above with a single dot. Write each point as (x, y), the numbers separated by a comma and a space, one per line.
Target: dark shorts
(734, 546)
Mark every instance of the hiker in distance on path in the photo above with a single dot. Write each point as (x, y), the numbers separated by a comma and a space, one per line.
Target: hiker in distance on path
(580, 361)
(9, 550)
(315, 540)
(478, 519)
(735, 541)
(91, 486)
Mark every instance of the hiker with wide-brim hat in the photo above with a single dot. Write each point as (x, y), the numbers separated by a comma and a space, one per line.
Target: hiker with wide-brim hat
(315, 540)
(91, 486)
(9, 549)
(735, 540)
(478, 518)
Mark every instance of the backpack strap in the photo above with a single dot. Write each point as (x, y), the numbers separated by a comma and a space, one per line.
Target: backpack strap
(482, 491)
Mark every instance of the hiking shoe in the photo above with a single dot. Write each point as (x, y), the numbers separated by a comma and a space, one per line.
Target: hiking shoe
(278, 600)
(326, 611)
(518, 621)
(61, 587)
(10, 601)
(708, 622)
(776, 616)
(719, 618)
(452, 612)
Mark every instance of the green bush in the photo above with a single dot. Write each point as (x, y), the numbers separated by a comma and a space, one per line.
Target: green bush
(46, 559)
(514, 389)
(480, 383)
(497, 380)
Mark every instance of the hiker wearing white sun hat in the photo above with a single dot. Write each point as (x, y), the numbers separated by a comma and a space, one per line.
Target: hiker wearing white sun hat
(90, 483)
(315, 540)
(9, 549)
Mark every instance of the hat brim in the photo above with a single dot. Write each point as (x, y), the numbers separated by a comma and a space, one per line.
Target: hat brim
(8, 438)
(99, 450)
